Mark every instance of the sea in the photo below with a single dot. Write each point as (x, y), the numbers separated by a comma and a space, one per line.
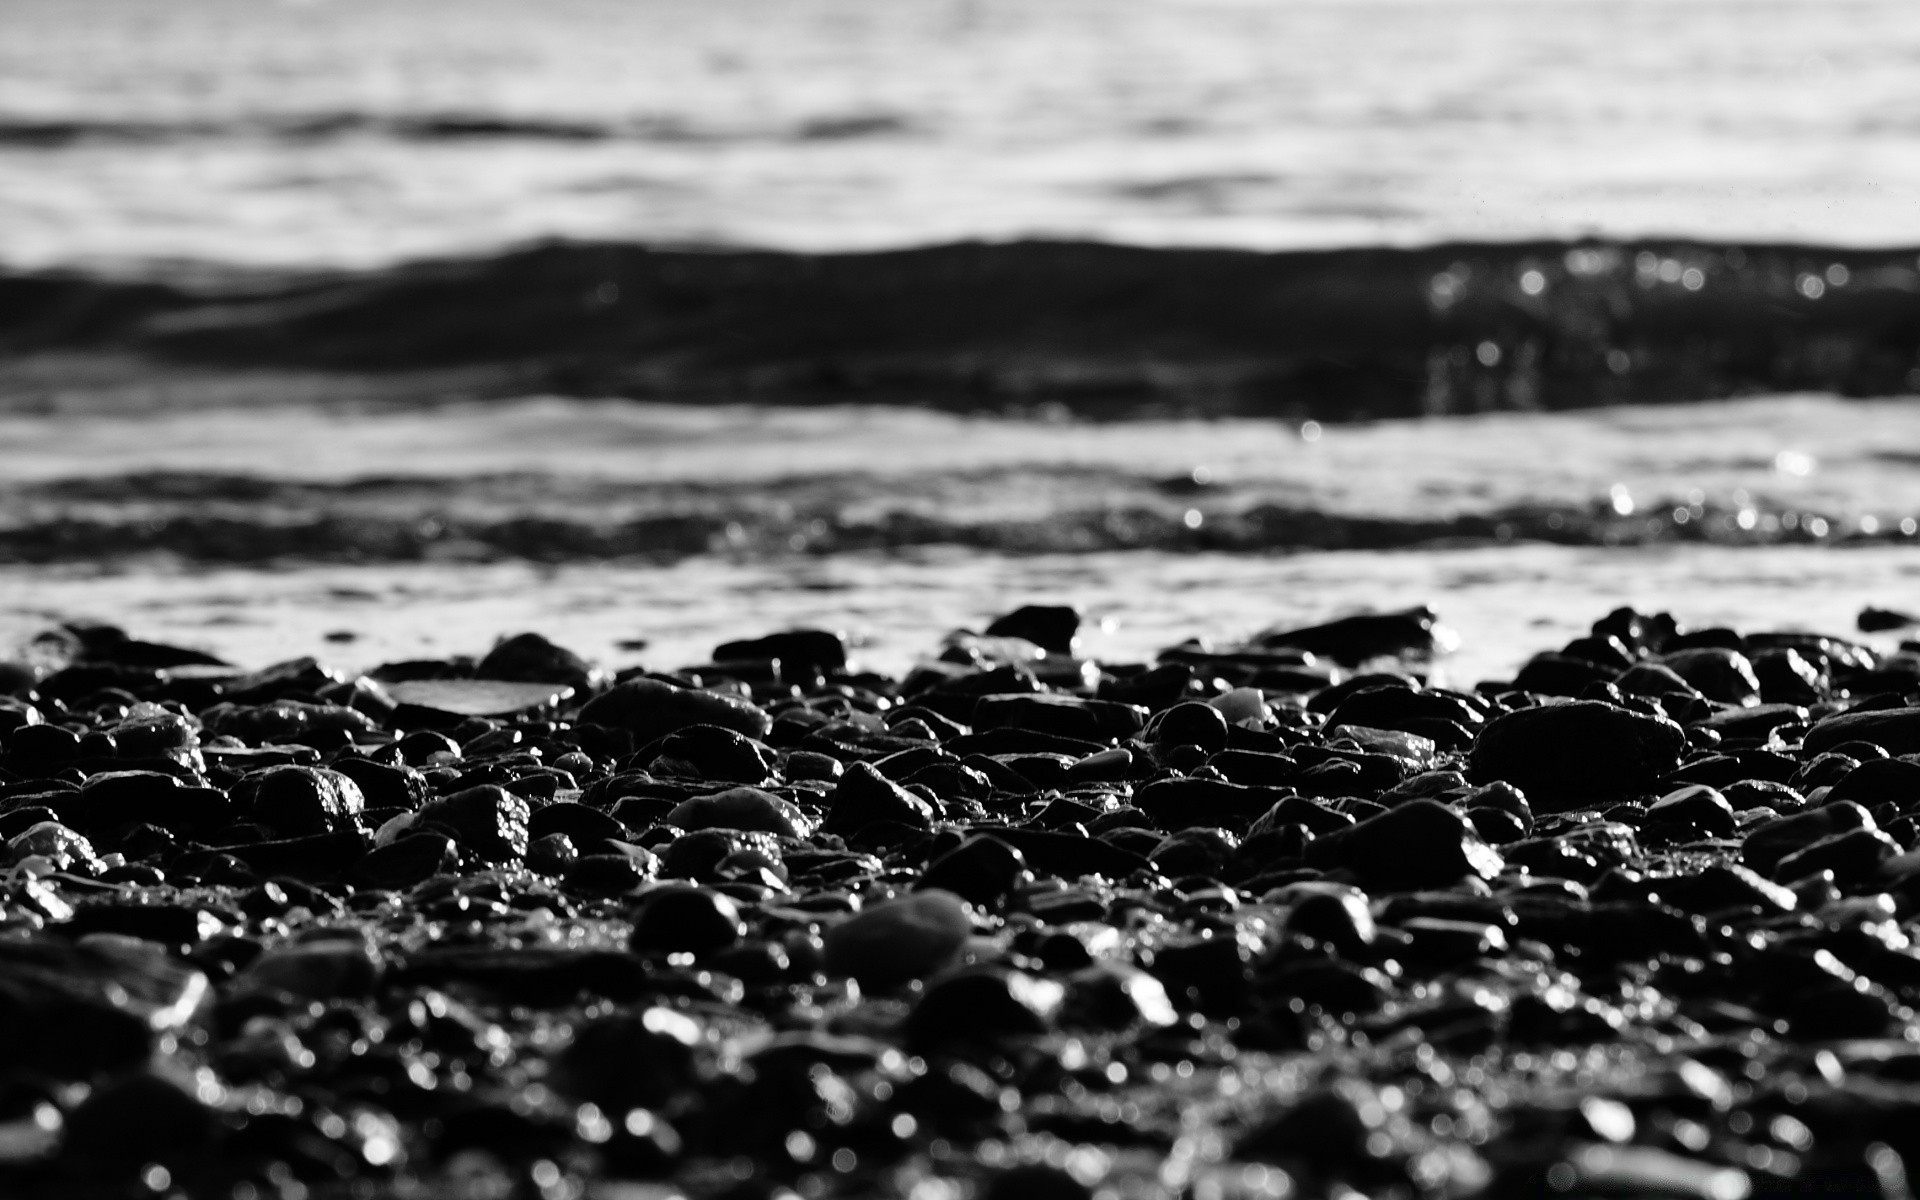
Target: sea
(264, 516)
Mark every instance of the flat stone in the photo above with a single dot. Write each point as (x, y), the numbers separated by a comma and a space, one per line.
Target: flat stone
(479, 697)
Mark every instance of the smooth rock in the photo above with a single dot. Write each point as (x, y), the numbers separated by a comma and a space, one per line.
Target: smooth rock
(1576, 753)
(899, 940)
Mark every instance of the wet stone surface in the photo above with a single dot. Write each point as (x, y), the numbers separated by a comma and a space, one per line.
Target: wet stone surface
(1276, 920)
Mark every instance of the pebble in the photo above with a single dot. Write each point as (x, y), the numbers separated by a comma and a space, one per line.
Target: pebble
(1575, 754)
(899, 940)
(1236, 922)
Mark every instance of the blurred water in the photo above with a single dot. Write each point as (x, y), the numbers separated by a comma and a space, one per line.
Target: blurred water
(1746, 461)
(364, 130)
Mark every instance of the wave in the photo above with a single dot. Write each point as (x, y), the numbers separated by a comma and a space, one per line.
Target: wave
(226, 518)
(61, 133)
(1099, 329)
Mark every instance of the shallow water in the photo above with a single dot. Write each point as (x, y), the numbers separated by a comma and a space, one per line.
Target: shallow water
(582, 463)
(1504, 603)
(362, 131)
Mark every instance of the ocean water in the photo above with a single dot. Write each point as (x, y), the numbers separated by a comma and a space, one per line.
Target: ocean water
(364, 131)
(993, 509)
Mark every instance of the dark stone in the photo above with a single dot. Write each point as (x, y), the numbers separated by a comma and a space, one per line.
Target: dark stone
(1095, 721)
(740, 808)
(1700, 810)
(1550, 674)
(1580, 751)
(586, 827)
(630, 1060)
(319, 856)
(1882, 620)
(1854, 856)
(685, 920)
(899, 940)
(301, 800)
(382, 785)
(1896, 730)
(1349, 641)
(1883, 781)
(1192, 724)
(1254, 768)
(1201, 850)
(1403, 709)
(712, 753)
(981, 1005)
(650, 709)
(488, 819)
(610, 874)
(1070, 855)
(1720, 674)
(1337, 917)
(1179, 803)
(116, 798)
(531, 658)
(795, 649)
(1052, 627)
(864, 796)
(1418, 844)
(407, 861)
(1767, 844)
(982, 870)
(138, 1119)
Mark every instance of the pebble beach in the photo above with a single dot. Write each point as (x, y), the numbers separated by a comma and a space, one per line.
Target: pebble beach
(1266, 919)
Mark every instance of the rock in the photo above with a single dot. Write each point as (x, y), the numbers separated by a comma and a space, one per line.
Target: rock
(1054, 628)
(899, 940)
(1853, 856)
(382, 785)
(630, 1060)
(531, 658)
(1883, 781)
(1701, 811)
(1578, 753)
(1192, 724)
(1335, 916)
(650, 709)
(709, 752)
(1768, 843)
(982, 1005)
(585, 827)
(1180, 803)
(1881, 620)
(488, 819)
(685, 920)
(343, 968)
(1096, 721)
(1116, 996)
(795, 649)
(302, 800)
(1419, 844)
(1410, 633)
(864, 796)
(434, 703)
(981, 870)
(1895, 730)
(113, 799)
(139, 1119)
(741, 808)
(1721, 675)
(59, 845)
(611, 874)
(406, 862)
(1201, 850)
